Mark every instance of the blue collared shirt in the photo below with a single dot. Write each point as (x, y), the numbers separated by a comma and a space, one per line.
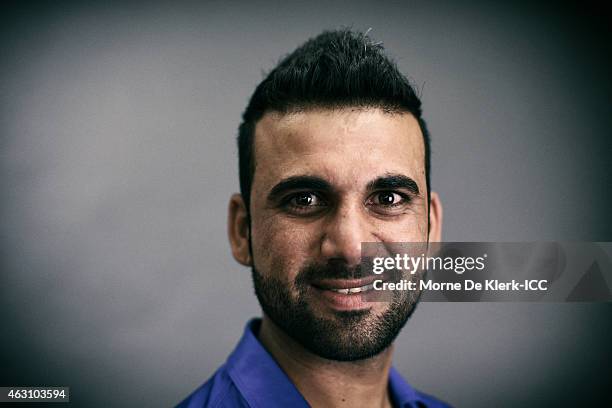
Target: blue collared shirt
(252, 378)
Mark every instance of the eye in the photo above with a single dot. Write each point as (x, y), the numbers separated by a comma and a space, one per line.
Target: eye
(305, 199)
(304, 202)
(388, 198)
(389, 202)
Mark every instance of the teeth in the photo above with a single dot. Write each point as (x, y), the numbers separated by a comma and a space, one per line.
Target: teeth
(345, 291)
(354, 290)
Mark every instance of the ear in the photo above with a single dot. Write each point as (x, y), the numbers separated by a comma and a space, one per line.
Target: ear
(435, 218)
(238, 230)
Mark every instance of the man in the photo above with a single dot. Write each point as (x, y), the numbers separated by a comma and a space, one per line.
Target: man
(333, 152)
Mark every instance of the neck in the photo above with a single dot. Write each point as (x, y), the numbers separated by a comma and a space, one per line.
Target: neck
(328, 383)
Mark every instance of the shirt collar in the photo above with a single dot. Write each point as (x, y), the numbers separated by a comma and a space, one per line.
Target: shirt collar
(402, 394)
(263, 383)
(256, 374)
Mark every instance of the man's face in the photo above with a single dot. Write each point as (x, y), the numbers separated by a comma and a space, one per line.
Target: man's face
(325, 181)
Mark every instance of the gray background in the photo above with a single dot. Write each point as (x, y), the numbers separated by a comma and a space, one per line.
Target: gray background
(118, 158)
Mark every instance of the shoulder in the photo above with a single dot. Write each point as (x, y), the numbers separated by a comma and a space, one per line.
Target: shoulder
(218, 392)
(428, 401)
(404, 395)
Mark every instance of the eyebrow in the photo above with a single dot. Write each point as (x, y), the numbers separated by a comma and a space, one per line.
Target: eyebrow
(393, 181)
(299, 183)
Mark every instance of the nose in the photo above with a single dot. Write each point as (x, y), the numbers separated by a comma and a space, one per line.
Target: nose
(343, 234)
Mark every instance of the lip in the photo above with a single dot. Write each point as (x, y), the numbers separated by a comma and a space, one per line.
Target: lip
(326, 291)
(330, 284)
(342, 301)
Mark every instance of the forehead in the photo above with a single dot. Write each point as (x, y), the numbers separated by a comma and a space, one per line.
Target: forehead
(343, 146)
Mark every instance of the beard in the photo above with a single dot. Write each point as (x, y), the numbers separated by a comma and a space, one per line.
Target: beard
(339, 335)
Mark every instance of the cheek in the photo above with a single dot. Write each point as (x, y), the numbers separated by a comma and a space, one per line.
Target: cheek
(281, 250)
(402, 233)
(411, 228)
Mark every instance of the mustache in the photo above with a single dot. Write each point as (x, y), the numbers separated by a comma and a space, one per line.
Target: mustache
(331, 270)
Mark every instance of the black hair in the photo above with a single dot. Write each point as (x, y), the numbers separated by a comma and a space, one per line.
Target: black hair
(336, 69)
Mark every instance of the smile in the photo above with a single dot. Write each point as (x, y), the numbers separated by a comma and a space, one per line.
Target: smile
(348, 286)
(358, 289)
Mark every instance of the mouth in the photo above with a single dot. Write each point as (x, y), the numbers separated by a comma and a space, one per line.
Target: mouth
(346, 286)
(345, 294)
(358, 289)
